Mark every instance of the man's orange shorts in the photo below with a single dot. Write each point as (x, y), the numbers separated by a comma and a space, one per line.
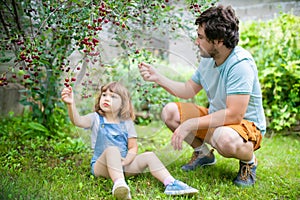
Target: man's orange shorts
(246, 129)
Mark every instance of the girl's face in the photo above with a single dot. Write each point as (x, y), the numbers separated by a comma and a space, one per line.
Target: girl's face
(110, 102)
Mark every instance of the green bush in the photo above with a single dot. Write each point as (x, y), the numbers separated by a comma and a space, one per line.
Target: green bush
(275, 46)
(21, 138)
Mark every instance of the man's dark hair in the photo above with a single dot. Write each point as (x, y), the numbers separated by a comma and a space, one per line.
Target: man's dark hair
(220, 23)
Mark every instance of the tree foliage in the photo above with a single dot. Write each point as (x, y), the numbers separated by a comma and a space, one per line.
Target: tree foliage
(37, 38)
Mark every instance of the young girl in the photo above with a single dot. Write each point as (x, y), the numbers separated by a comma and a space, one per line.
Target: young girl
(114, 141)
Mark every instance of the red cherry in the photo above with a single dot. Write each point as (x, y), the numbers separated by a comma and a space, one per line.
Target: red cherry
(95, 40)
(89, 26)
(73, 79)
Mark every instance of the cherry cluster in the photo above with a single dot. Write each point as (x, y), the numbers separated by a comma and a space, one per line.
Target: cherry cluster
(28, 60)
(90, 42)
(196, 8)
(28, 55)
(68, 81)
(3, 81)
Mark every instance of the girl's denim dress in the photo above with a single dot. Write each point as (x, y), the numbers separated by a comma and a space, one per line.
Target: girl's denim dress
(110, 135)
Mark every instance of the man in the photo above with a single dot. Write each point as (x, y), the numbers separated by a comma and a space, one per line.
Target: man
(234, 123)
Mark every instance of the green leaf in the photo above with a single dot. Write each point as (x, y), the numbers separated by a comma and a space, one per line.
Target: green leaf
(38, 127)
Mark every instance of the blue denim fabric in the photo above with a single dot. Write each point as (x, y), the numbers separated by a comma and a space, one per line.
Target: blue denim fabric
(110, 135)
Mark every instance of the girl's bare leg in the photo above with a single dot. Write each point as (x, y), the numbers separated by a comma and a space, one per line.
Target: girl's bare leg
(159, 171)
(150, 160)
(109, 164)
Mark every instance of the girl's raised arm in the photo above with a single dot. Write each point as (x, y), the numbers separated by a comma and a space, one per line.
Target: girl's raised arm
(78, 120)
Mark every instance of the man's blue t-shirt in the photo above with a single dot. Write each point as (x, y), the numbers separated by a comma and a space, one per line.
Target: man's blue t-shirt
(237, 75)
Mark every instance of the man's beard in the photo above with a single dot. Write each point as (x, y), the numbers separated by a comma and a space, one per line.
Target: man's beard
(206, 54)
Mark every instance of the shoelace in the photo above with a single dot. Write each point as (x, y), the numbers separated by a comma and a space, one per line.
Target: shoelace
(246, 171)
(177, 183)
(196, 153)
(194, 156)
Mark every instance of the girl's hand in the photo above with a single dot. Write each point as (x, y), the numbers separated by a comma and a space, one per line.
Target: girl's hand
(129, 158)
(123, 161)
(67, 95)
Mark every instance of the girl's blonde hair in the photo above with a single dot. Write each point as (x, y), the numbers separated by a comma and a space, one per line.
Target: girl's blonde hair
(126, 111)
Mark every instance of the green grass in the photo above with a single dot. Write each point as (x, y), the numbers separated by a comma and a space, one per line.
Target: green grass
(31, 171)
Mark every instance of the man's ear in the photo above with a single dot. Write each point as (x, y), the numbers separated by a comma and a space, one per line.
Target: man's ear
(218, 43)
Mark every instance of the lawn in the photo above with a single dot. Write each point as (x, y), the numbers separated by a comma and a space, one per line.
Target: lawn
(32, 171)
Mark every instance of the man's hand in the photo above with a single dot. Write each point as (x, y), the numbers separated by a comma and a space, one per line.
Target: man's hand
(148, 72)
(179, 135)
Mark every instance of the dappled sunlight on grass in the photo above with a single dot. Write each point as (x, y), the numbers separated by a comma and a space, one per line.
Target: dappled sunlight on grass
(157, 138)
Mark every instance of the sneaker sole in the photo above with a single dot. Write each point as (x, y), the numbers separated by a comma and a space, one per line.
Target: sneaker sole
(243, 185)
(183, 192)
(121, 193)
(207, 164)
(215, 161)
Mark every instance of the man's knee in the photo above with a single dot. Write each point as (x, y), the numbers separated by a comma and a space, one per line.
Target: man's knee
(170, 113)
(226, 140)
(170, 116)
